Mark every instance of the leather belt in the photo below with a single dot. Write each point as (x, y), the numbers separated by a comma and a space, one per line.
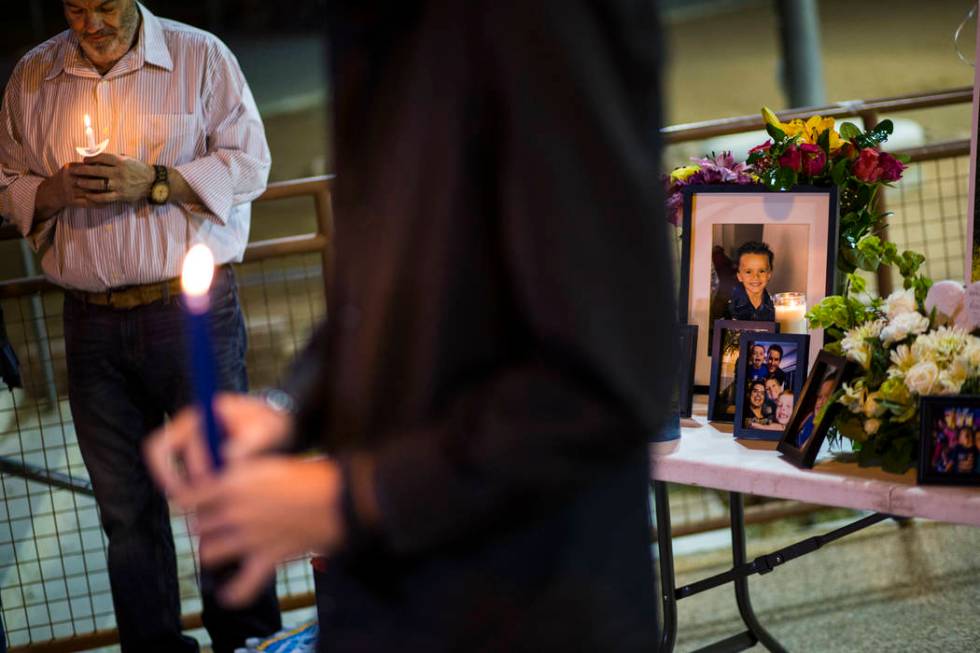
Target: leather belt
(133, 296)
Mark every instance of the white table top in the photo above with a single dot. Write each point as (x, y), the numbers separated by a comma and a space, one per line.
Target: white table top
(707, 455)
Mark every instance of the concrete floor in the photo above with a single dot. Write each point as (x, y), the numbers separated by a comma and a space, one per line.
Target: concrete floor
(888, 588)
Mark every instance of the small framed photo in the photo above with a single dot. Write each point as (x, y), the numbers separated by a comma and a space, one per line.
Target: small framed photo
(768, 383)
(814, 412)
(722, 395)
(950, 435)
(685, 375)
(742, 245)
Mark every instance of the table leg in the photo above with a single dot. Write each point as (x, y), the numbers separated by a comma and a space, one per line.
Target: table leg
(666, 557)
(742, 581)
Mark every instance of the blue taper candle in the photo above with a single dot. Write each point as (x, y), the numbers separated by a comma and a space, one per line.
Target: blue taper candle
(196, 279)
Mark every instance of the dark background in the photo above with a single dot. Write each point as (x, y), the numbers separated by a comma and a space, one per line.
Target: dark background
(26, 23)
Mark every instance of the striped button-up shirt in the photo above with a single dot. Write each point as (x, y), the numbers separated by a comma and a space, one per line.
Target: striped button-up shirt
(178, 98)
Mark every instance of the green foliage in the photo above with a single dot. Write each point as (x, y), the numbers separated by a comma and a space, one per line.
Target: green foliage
(875, 136)
(849, 131)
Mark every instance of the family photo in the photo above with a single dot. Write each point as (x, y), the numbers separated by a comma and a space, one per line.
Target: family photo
(769, 379)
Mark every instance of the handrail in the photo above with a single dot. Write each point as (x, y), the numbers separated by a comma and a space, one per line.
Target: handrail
(316, 187)
(719, 127)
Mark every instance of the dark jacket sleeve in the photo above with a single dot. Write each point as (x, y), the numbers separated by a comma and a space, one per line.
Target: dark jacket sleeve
(573, 87)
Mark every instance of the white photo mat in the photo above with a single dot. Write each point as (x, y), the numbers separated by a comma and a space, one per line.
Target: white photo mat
(716, 205)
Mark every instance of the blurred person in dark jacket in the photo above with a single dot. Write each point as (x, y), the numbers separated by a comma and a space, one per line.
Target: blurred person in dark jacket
(498, 349)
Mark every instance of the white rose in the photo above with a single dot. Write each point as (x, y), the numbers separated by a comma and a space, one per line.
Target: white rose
(947, 298)
(900, 301)
(922, 377)
(902, 325)
(872, 425)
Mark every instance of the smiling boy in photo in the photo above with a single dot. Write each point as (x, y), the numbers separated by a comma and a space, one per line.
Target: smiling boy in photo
(750, 300)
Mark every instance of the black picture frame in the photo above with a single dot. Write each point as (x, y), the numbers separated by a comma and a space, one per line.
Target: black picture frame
(931, 410)
(685, 375)
(694, 291)
(827, 369)
(801, 342)
(716, 394)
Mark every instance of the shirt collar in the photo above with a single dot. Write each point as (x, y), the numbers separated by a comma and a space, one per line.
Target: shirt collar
(151, 47)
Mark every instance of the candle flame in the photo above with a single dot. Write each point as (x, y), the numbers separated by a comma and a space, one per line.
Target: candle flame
(88, 121)
(198, 271)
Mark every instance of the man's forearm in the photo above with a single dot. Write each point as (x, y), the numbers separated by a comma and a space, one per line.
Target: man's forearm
(48, 201)
(180, 190)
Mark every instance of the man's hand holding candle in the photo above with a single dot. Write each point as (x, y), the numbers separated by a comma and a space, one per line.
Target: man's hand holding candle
(113, 178)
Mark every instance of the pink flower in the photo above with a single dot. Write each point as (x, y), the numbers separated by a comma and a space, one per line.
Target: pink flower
(814, 159)
(791, 158)
(866, 167)
(891, 168)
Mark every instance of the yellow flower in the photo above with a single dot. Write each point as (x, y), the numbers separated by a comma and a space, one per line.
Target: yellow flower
(682, 173)
(808, 131)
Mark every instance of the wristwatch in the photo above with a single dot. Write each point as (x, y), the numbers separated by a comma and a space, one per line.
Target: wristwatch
(160, 189)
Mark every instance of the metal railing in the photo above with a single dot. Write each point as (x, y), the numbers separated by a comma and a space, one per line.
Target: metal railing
(53, 589)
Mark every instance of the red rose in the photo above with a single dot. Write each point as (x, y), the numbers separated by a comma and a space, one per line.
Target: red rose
(891, 168)
(866, 167)
(814, 159)
(763, 147)
(791, 158)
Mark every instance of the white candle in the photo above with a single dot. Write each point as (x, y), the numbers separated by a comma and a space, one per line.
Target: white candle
(89, 134)
(790, 312)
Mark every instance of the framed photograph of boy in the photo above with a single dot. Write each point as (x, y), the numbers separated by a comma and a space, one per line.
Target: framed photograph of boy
(768, 383)
(725, 351)
(685, 374)
(741, 245)
(950, 430)
(814, 412)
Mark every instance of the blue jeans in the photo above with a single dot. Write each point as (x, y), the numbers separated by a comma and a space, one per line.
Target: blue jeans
(127, 369)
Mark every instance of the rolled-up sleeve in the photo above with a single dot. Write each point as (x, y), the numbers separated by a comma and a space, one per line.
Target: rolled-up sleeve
(18, 184)
(235, 169)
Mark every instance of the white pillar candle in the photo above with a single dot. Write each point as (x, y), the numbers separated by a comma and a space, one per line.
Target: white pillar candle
(89, 134)
(790, 312)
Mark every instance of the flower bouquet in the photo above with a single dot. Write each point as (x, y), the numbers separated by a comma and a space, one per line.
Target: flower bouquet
(814, 152)
(807, 152)
(915, 342)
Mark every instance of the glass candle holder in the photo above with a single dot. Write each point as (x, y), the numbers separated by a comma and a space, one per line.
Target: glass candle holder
(790, 312)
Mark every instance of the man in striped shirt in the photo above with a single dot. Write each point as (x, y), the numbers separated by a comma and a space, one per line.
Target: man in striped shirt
(186, 153)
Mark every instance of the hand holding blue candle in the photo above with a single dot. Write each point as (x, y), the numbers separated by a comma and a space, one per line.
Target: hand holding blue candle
(195, 280)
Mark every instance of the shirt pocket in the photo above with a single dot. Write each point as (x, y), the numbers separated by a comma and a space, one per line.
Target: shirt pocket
(170, 139)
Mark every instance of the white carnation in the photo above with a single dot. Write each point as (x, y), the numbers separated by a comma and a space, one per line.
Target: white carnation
(922, 378)
(899, 302)
(902, 326)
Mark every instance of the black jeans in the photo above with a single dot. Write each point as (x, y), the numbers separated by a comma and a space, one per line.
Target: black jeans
(127, 369)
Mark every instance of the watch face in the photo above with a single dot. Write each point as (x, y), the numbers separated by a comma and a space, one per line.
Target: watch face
(159, 193)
